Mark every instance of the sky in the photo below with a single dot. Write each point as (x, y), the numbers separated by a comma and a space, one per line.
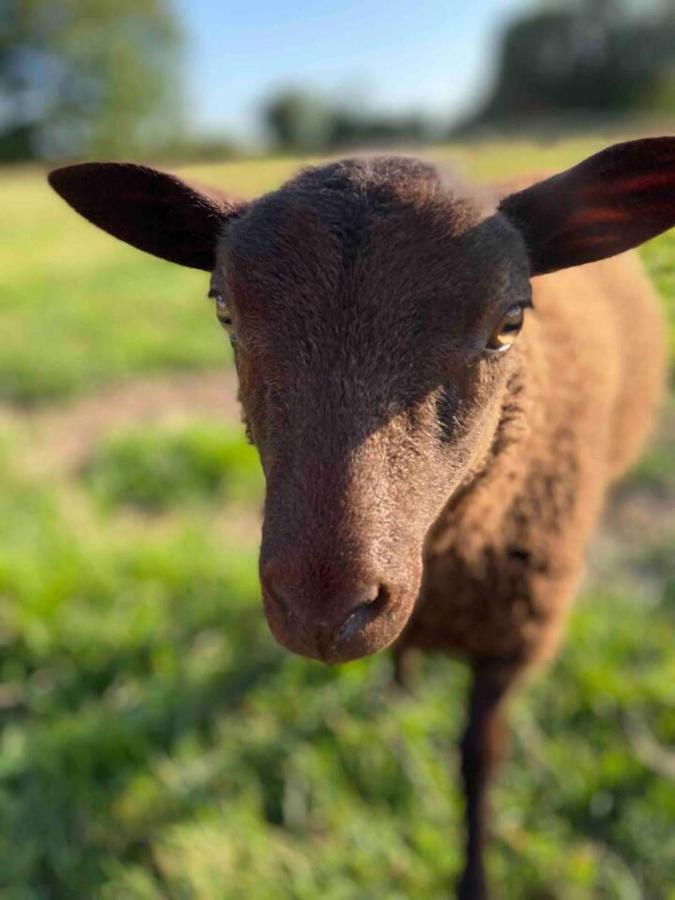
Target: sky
(431, 57)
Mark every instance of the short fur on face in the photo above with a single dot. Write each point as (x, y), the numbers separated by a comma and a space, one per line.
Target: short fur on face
(362, 296)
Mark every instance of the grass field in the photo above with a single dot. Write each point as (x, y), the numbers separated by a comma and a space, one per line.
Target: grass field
(155, 742)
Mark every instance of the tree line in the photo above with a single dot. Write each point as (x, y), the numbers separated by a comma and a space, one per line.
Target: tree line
(93, 78)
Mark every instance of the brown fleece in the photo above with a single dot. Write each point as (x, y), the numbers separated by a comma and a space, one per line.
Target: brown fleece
(504, 558)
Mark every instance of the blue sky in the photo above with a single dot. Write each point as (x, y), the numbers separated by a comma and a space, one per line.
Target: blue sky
(431, 56)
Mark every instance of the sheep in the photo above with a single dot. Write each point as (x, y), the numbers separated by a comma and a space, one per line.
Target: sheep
(432, 474)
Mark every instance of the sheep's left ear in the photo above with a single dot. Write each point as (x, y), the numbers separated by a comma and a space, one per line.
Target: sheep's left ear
(154, 211)
(610, 202)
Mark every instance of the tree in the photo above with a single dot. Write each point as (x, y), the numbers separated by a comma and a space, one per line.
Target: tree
(301, 121)
(589, 56)
(298, 120)
(87, 77)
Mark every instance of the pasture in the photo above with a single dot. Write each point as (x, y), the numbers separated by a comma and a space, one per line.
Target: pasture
(155, 742)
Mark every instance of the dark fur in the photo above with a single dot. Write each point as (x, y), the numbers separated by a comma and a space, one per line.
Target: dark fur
(419, 490)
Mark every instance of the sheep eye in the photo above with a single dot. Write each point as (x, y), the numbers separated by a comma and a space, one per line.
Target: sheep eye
(223, 313)
(506, 331)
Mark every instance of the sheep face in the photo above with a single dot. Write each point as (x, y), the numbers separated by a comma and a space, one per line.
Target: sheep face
(367, 308)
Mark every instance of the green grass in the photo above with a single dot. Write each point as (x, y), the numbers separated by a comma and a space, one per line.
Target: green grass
(156, 468)
(156, 743)
(80, 309)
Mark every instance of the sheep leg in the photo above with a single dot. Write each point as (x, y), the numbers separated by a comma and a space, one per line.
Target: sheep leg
(481, 751)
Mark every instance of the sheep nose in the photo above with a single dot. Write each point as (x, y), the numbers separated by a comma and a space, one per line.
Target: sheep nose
(367, 608)
(333, 627)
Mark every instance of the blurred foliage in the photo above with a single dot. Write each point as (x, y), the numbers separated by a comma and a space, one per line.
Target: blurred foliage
(155, 468)
(584, 57)
(155, 742)
(301, 121)
(193, 148)
(297, 118)
(87, 77)
(80, 309)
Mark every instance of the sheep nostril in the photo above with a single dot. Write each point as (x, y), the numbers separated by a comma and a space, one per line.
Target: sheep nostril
(363, 615)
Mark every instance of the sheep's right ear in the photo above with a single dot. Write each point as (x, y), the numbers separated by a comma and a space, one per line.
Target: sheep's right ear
(151, 210)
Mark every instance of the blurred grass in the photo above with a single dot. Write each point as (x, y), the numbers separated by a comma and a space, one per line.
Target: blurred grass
(157, 468)
(154, 740)
(80, 309)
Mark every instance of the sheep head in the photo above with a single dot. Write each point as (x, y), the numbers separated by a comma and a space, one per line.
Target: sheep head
(371, 311)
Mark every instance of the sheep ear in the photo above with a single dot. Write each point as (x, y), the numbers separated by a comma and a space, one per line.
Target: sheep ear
(610, 202)
(151, 210)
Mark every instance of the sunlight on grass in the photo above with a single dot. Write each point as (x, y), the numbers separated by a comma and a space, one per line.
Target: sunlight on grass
(157, 468)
